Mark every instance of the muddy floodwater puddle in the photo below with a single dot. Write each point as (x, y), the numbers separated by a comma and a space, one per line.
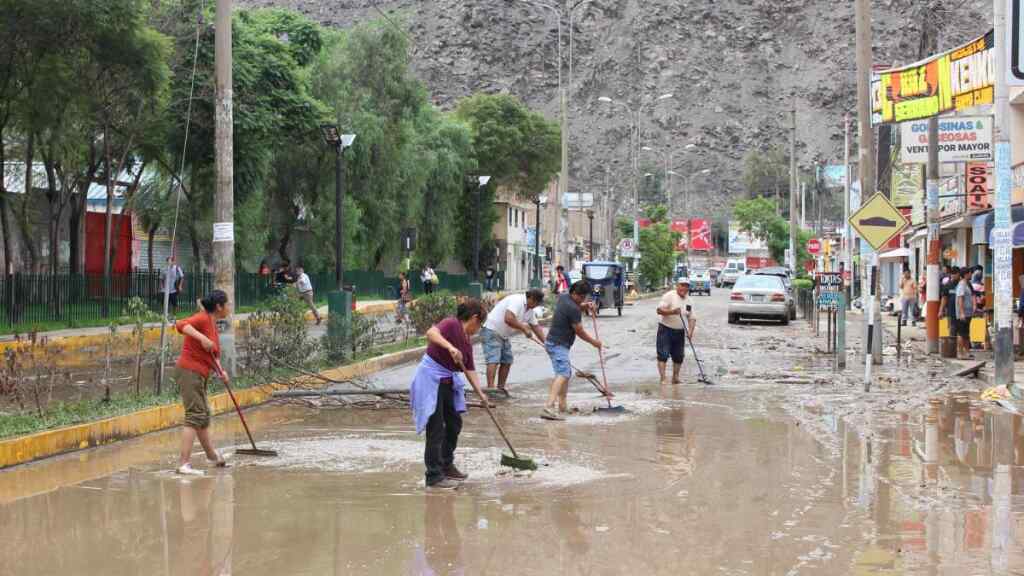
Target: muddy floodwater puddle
(692, 480)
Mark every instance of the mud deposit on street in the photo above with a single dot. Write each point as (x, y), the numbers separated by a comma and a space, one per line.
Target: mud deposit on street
(748, 477)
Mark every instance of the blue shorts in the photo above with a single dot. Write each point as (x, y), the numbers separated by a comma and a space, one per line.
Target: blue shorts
(559, 359)
(497, 350)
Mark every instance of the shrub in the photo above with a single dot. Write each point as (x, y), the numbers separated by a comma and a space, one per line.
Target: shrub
(277, 334)
(803, 284)
(430, 309)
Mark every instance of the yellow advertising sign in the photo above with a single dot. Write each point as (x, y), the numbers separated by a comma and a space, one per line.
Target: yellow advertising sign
(878, 221)
(955, 80)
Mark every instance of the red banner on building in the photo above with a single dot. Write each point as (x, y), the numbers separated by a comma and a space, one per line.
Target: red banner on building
(700, 233)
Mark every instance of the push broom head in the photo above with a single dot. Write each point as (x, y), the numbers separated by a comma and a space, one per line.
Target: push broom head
(518, 463)
(255, 452)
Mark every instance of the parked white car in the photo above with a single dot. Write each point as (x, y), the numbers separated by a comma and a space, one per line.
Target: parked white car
(760, 297)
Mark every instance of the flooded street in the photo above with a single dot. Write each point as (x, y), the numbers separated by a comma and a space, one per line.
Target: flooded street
(752, 476)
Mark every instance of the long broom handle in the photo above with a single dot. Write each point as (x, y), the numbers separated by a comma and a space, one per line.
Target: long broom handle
(487, 406)
(600, 356)
(224, 378)
(686, 334)
(588, 377)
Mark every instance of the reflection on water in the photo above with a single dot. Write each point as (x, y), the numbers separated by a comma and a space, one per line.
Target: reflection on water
(692, 489)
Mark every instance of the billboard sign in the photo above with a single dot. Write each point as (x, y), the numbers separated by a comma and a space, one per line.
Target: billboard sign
(700, 232)
(958, 79)
(961, 139)
(834, 175)
(740, 242)
(979, 186)
(907, 184)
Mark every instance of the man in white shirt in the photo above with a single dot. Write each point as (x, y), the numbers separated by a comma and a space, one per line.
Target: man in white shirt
(305, 288)
(174, 277)
(514, 313)
(674, 307)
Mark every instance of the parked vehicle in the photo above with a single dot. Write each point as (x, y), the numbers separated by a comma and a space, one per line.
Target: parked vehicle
(782, 273)
(716, 274)
(762, 297)
(734, 269)
(700, 282)
(608, 285)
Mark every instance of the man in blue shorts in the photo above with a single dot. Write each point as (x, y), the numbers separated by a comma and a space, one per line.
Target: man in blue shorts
(566, 325)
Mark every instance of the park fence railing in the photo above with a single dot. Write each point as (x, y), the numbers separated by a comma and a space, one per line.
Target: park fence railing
(51, 301)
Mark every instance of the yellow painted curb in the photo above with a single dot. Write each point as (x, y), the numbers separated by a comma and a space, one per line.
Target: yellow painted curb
(24, 449)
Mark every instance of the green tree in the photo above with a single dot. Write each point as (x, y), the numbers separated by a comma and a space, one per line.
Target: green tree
(519, 149)
(759, 217)
(658, 248)
(766, 173)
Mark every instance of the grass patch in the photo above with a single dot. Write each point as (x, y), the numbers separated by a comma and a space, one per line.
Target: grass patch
(79, 412)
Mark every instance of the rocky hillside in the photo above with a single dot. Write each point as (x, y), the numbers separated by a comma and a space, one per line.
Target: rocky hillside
(732, 65)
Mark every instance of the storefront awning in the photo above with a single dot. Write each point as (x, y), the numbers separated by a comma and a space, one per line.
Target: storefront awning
(984, 223)
(896, 254)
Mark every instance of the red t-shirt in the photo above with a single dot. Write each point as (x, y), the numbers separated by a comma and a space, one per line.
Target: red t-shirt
(452, 331)
(193, 357)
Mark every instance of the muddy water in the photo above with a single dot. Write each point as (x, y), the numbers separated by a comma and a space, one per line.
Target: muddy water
(725, 480)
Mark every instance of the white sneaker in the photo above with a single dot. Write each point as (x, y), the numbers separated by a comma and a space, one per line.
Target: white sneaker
(188, 470)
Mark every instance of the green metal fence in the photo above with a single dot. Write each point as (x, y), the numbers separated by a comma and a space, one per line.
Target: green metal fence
(51, 301)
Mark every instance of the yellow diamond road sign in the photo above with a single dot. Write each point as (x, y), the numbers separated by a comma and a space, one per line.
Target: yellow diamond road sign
(878, 221)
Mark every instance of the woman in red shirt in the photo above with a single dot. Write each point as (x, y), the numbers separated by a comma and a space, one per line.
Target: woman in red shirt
(198, 356)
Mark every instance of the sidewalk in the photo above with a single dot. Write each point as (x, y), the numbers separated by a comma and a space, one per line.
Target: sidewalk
(915, 337)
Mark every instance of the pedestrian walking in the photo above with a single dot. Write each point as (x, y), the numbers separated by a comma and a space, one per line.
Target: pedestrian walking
(489, 279)
(429, 279)
(513, 314)
(174, 282)
(199, 353)
(404, 297)
(566, 325)
(675, 306)
(908, 298)
(305, 288)
(964, 314)
(438, 391)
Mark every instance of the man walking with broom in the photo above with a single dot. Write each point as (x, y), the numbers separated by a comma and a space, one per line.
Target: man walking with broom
(566, 325)
(199, 354)
(438, 391)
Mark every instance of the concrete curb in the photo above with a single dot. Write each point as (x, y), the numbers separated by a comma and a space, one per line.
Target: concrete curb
(14, 451)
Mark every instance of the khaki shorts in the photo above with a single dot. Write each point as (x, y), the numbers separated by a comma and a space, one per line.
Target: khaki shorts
(193, 398)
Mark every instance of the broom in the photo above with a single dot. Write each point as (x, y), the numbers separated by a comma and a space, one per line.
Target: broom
(513, 461)
(254, 451)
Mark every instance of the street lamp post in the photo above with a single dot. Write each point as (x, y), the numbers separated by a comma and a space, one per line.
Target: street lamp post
(339, 141)
(590, 215)
(634, 118)
(537, 266)
(481, 182)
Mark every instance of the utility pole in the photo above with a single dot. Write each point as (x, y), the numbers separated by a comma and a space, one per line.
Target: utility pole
(224, 198)
(847, 236)
(866, 165)
(1002, 239)
(929, 45)
(792, 188)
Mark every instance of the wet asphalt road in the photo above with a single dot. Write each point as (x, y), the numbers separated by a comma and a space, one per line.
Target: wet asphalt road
(757, 475)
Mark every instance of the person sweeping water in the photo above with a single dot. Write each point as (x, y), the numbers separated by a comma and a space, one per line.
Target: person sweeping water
(566, 325)
(199, 354)
(438, 391)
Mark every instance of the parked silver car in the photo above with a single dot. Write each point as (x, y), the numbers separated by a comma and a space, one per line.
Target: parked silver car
(760, 296)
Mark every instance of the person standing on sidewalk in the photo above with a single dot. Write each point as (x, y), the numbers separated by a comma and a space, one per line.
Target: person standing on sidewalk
(199, 352)
(514, 313)
(908, 298)
(429, 279)
(305, 288)
(438, 391)
(404, 296)
(561, 280)
(674, 307)
(964, 314)
(174, 281)
(566, 325)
